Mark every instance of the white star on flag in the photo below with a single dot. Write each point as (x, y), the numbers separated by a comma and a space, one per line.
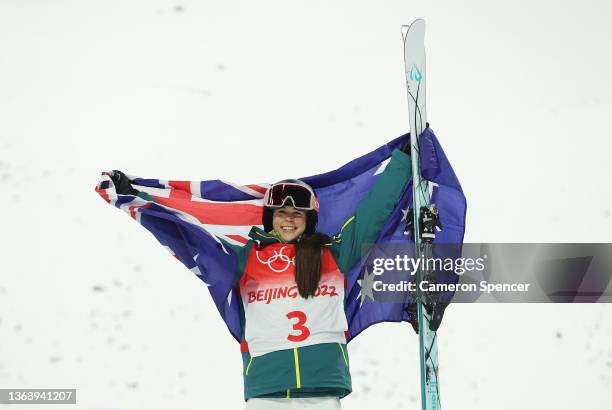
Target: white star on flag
(367, 287)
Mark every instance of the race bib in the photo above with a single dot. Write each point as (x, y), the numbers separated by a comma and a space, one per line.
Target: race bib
(277, 317)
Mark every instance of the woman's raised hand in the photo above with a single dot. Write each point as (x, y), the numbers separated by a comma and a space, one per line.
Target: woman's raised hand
(122, 183)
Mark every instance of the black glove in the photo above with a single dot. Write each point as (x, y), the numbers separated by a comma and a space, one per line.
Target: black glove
(122, 184)
(406, 148)
(436, 313)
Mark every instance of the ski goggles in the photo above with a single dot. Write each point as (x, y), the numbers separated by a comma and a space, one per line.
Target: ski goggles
(302, 197)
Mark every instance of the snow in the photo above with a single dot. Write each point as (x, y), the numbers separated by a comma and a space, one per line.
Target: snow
(518, 93)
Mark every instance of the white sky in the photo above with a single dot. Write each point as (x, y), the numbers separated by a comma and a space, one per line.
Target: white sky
(519, 94)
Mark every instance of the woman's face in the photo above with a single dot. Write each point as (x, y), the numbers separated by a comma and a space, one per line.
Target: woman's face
(289, 223)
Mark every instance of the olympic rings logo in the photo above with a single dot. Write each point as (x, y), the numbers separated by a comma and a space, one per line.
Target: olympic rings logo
(278, 255)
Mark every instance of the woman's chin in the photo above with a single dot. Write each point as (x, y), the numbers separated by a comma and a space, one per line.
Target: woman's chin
(288, 238)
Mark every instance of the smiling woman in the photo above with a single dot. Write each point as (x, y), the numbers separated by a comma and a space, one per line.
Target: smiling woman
(291, 213)
(289, 223)
(294, 342)
(291, 281)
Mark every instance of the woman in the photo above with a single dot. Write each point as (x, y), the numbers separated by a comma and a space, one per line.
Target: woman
(291, 280)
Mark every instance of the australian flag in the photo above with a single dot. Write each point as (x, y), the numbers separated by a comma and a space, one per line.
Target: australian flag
(194, 219)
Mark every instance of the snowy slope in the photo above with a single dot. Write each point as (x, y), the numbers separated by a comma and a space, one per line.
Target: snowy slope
(251, 91)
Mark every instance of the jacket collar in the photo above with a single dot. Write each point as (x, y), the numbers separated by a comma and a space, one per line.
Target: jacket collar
(262, 237)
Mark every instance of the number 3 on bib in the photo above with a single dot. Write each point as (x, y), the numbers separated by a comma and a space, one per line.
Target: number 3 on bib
(298, 326)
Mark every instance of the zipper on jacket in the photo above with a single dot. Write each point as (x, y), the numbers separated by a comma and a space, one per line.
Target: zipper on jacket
(348, 221)
(297, 368)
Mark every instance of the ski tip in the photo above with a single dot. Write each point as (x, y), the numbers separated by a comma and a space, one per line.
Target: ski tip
(418, 23)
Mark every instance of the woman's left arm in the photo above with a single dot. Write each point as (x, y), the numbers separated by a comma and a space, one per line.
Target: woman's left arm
(364, 226)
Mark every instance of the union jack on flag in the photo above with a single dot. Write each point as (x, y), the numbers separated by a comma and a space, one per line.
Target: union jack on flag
(192, 219)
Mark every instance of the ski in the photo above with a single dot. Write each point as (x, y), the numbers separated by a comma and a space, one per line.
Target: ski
(422, 209)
